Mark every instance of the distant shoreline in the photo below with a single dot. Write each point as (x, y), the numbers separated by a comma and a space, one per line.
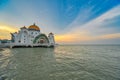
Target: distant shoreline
(89, 44)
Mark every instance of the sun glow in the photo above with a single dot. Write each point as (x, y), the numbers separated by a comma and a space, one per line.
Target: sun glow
(69, 38)
(5, 31)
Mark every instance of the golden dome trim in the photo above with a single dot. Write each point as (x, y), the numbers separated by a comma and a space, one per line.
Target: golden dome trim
(34, 26)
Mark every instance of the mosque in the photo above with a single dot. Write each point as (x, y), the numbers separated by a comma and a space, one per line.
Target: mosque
(31, 37)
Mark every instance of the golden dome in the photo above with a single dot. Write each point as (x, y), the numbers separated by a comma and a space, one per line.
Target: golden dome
(34, 27)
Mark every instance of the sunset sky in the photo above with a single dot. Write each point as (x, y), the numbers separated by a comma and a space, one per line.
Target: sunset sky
(72, 21)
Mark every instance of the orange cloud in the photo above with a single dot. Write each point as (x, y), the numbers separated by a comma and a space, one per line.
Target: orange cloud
(5, 31)
(71, 38)
(110, 36)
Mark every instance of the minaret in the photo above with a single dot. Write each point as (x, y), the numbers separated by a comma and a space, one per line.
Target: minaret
(51, 39)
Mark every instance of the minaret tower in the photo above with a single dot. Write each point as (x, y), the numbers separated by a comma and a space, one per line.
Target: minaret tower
(51, 39)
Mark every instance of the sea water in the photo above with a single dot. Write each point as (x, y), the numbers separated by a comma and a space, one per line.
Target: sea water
(70, 62)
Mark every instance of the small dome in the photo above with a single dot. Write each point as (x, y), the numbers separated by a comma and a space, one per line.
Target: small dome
(23, 27)
(34, 27)
(51, 33)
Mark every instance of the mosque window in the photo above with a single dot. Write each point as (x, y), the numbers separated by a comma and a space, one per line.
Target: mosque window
(19, 41)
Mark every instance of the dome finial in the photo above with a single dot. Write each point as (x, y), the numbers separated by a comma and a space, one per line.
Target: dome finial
(34, 23)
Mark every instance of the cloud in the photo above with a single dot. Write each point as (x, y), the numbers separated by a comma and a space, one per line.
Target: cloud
(109, 36)
(93, 30)
(5, 31)
(76, 38)
(94, 24)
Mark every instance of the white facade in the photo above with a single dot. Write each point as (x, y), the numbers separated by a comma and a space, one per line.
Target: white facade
(32, 35)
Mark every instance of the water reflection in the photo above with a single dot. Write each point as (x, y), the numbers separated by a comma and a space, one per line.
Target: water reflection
(34, 63)
(5, 63)
(61, 63)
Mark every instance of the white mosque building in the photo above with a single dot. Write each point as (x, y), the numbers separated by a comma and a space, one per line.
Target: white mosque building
(31, 37)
